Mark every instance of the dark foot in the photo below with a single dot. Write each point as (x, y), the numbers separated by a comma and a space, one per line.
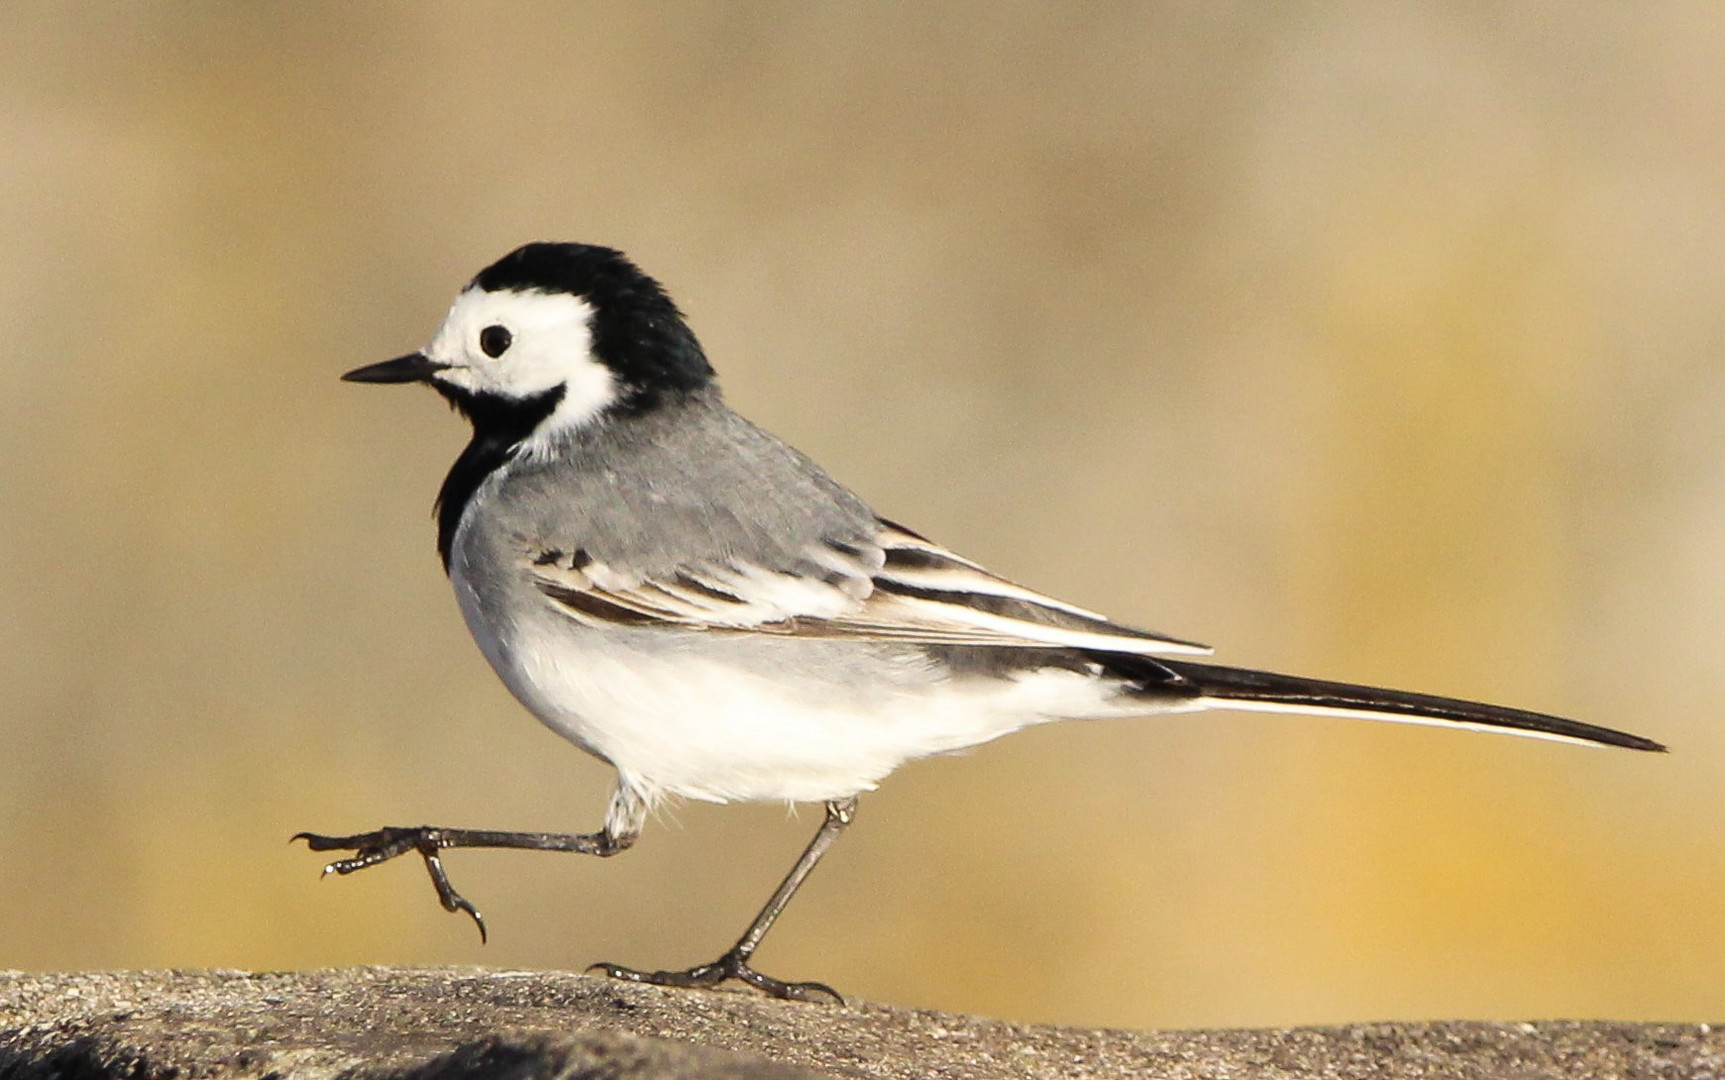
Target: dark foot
(729, 966)
(371, 848)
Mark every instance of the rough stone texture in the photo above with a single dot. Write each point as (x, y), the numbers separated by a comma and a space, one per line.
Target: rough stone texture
(444, 1023)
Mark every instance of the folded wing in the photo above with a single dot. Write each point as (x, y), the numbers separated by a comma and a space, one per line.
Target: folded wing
(892, 586)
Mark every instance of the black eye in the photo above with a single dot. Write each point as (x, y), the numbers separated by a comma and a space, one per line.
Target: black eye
(495, 340)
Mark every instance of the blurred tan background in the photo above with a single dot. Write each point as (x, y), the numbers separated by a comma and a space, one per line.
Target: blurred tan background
(1376, 341)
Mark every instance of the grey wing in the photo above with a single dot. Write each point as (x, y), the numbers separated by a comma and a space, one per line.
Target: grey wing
(696, 518)
(891, 585)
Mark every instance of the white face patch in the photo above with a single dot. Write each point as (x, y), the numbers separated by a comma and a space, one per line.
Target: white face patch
(550, 344)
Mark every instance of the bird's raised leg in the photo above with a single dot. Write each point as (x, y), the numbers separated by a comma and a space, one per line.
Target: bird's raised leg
(735, 963)
(623, 821)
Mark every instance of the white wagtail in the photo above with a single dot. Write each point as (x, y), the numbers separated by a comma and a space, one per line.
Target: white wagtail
(682, 595)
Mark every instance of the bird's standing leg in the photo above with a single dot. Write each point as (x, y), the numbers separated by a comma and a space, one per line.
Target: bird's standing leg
(623, 821)
(735, 963)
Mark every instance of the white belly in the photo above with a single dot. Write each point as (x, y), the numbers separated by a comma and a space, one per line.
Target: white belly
(681, 716)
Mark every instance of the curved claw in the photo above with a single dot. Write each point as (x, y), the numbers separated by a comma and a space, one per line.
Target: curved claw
(810, 991)
(384, 844)
(370, 848)
(729, 966)
(451, 900)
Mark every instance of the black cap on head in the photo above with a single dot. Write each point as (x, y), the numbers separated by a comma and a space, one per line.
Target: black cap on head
(637, 330)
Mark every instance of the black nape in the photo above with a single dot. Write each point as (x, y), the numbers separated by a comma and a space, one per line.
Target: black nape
(638, 331)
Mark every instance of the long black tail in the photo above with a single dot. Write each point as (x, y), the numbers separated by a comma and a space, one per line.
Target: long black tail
(1266, 691)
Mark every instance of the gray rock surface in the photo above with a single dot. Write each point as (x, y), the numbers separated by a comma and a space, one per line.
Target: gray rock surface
(445, 1023)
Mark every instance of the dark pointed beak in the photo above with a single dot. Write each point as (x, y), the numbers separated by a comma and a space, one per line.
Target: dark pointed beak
(414, 367)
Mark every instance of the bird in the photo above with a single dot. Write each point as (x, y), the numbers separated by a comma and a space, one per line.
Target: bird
(684, 596)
